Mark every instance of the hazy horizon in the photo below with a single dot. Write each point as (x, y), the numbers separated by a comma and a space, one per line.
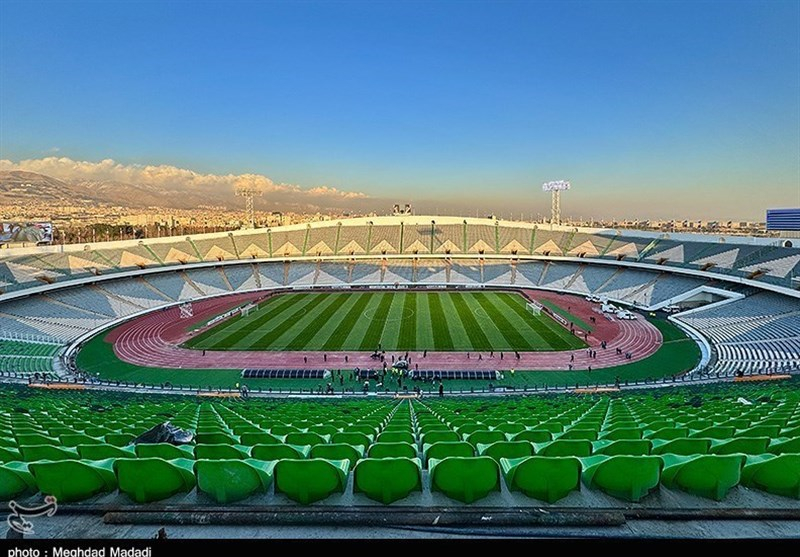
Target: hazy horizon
(652, 110)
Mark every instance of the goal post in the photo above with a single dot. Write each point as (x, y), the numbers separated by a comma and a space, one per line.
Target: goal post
(534, 307)
(245, 310)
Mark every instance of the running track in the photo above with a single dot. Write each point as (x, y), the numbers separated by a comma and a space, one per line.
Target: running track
(153, 341)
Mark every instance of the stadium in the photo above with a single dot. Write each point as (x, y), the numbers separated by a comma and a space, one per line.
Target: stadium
(428, 371)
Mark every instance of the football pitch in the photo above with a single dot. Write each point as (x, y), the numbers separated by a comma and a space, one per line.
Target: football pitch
(398, 321)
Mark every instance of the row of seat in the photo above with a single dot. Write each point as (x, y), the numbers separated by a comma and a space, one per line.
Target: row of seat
(466, 479)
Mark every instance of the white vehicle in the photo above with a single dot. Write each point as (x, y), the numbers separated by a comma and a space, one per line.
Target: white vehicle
(672, 309)
(625, 314)
(592, 298)
(609, 308)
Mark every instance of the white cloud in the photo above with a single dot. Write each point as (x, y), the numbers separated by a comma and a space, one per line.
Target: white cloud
(170, 177)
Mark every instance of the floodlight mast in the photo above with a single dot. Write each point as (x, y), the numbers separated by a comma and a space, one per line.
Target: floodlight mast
(249, 193)
(556, 187)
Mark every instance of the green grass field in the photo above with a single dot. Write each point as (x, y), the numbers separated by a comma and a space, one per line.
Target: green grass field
(677, 355)
(399, 321)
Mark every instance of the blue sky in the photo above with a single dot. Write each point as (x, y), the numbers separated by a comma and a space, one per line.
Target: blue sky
(652, 109)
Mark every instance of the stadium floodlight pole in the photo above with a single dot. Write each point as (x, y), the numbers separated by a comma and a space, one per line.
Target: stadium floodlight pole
(556, 187)
(249, 193)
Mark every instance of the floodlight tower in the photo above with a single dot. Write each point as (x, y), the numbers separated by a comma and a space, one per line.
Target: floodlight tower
(249, 192)
(556, 188)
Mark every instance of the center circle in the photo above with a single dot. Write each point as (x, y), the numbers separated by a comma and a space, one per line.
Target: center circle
(406, 313)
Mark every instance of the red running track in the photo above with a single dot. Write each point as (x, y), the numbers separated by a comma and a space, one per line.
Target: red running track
(153, 341)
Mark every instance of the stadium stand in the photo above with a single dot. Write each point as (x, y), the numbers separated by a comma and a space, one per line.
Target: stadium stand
(558, 275)
(751, 335)
(757, 333)
(669, 286)
(763, 261)
(240, 277)
(528, 274)
(89, 300)
(401, 271)
(136, 292)
(591, 450)
(210, 281)
(171, 285)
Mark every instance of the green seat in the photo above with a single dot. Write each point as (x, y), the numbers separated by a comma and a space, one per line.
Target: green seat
(311, 480)
(577, 433)
(8, 442)
(323, 430)
(533, 435)
(632, 447)
(790, 432)
(436, 436)
(392, 450)
(546, 478)
(220, 452)
(387, 479)
(338, 451)
(74, 480)
(395, 437)
(742, 445)
(484, 437)
(510, 428)
(229, 481)
(506, 449)
(710, 476)
(283, 430)
(655, 425)
(47, 452)
(103, 451)
(564, 447)
(363, 428)
(146, 480)
(403, 427)
(75, 439)
(37, 439)
(279, 451)
(119, 439)
(306, 438)
(780, 422)
(15, 480)
(667, 433)
(258, 438)
(465, 479)
(216, 439)
(164, 451)
(699, 424)
(352, 438)
(738, 423)
(430, 428)
(8, 454)
(245, 429)
(621, 433)
(779, 475)
(770, 431)
(681, 446)
(715, 432)
(471, 427)
(443, 449)
(624, 477)
(552, 427)
(784, 446)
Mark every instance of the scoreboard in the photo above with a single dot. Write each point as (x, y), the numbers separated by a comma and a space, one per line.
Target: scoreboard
(783, 220)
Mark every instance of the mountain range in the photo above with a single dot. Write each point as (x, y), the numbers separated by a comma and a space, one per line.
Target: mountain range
(19, 187)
